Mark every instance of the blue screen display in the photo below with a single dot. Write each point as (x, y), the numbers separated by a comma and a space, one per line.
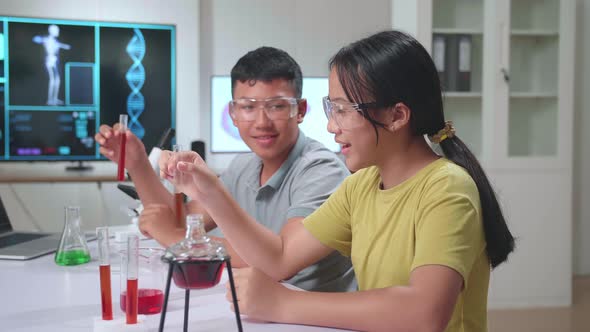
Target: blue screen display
(61, 79)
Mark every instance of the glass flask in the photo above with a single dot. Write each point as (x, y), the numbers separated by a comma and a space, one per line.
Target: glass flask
(72, 249)
(198, 260)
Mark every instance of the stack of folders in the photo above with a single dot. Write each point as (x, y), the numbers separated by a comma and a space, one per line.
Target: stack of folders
(452, 56)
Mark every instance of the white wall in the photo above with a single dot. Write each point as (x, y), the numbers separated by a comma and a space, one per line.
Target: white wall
(309, 30)
(100, 205)
(582, 139)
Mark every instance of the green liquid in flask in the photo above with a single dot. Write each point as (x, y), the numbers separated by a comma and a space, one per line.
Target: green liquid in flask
(72, 257)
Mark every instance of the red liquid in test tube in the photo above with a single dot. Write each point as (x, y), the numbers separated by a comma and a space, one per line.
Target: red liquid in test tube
(131, 301)
(178, 196)
(179, 203)
(123, 142)
(102, 235)
(105, 292)
(132, 275)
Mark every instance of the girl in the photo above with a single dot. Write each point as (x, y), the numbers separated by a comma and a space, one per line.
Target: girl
(423, 231)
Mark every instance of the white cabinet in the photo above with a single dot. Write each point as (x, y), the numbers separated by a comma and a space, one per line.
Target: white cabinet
(516, 114)
(533, 42)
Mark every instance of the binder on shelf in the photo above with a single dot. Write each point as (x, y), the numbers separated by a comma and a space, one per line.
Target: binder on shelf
(438, 56)
(463, 82)
(451, 54)
(451, 63)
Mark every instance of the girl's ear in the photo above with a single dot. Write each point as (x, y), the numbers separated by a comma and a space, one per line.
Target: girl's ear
(398, 117)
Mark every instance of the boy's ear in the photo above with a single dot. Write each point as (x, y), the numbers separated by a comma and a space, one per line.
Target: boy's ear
(301, 109)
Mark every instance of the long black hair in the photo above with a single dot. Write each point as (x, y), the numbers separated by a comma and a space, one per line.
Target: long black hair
(391, 67)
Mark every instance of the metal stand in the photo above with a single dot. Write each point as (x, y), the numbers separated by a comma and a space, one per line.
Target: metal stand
(187, 297)
(163, 315)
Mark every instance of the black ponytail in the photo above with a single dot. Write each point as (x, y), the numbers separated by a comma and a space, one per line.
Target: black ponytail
(391, 67)
(500, 241)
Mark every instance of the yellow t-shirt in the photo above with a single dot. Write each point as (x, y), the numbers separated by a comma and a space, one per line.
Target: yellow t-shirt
(432, 218)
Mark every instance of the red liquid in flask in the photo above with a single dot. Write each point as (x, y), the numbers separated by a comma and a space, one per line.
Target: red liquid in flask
(197, 274)
(121, 168)
(105, 292)
(149, 301)
(131, 301)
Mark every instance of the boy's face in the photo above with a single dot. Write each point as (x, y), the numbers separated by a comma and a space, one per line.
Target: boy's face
(271, 140)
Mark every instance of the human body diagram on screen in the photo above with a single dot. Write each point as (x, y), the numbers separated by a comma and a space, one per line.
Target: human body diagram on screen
(52, 47)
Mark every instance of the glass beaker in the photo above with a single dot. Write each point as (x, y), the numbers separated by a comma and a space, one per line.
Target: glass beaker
(199, 261)
(151, 280)
(72, 249)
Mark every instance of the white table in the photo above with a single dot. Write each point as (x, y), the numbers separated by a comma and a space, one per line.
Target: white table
(38, 295)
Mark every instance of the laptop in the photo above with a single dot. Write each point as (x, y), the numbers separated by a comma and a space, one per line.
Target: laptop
(23, 245)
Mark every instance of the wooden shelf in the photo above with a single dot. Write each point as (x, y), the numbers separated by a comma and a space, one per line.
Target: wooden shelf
(534, 33)
(533, 95)
(457, 31)
(459, 94)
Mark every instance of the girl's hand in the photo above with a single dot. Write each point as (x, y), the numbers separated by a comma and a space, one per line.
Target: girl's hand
(189, 173)
(259, 296)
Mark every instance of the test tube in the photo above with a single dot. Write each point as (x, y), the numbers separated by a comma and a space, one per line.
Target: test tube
(178, 196)
(102, 234)
(122, 133)
(131, 305)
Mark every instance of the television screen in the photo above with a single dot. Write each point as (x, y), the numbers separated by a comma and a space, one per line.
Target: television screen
(225, 136)
(60, 80)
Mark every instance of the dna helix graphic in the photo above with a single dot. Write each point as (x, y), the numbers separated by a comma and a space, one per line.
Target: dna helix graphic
(135, 78)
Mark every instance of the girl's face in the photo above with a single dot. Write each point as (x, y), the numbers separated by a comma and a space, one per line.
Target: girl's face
(352, 131)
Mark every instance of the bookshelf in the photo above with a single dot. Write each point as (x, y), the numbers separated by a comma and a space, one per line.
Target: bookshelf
(534, 59)
(458, 14)
(455, 22)
(514, 105)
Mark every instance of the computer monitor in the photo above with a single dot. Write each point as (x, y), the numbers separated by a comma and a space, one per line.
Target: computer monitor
(225, 136)
(61, 79)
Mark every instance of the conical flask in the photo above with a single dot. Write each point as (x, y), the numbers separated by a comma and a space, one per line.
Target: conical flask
(72, 249)
(198, 260)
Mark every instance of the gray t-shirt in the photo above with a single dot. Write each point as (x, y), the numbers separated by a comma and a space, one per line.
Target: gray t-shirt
(305, 180)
